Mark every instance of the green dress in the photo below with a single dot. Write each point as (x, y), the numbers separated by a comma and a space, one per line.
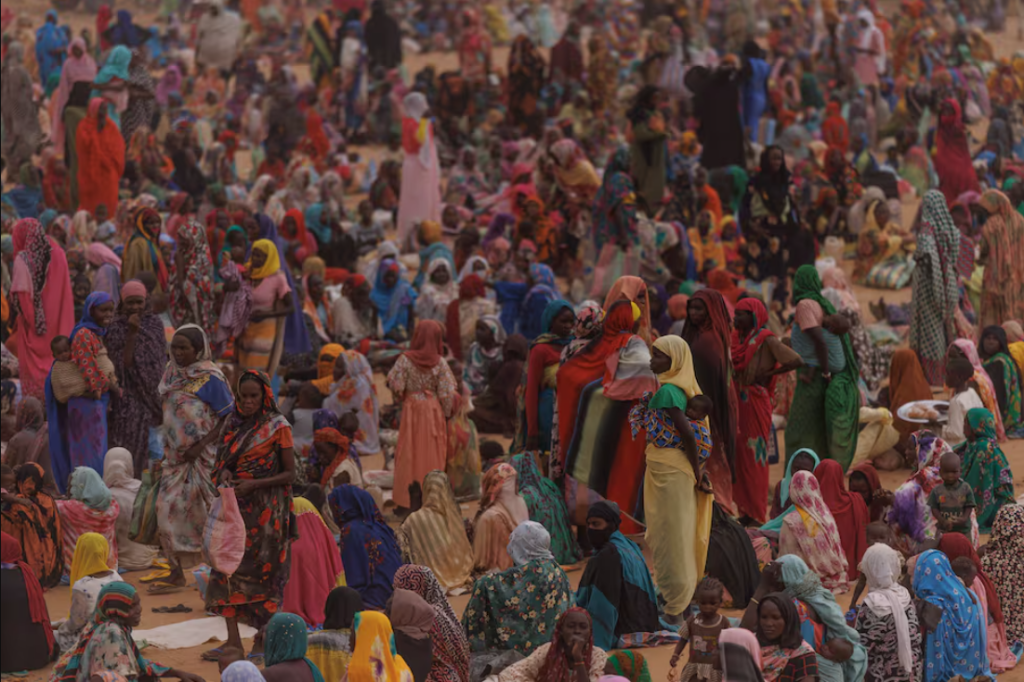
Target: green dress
(985, 468)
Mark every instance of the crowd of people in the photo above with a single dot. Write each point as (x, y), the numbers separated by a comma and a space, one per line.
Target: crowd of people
(585, 289)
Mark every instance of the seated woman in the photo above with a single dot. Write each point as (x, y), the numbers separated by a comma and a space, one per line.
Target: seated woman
(365, 539)
(354, 313)
(536, 585)
(985, 468)
(864, 481)
(571, 654)
(106, 644)
(28, 642)
(435, 535)
(437, 292)
(89, 575)
(90, 509)
(330, 649)
(887, 622)
(616, 588)
(502, 509)
(353, 391)
(881, 239)
(848, 510)
(412, 619)
(1003, 561)
(811, 534)
(785, 656)
(374, 660)
(546, 505)
(802, 460)
(980, 381)
(733, 559)
(495, 408)
(448, 639)
(316, 566)
(118, 468)
(1002, 369)
(35, 524)
(285, 651)
(393, 298)
(955, 639)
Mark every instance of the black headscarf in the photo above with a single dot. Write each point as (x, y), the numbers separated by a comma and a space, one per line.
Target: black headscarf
(773, 187)
(383, 38)
(608, 511)
(1000, 335)
(731, 558)
(343, 603)
(791, 638)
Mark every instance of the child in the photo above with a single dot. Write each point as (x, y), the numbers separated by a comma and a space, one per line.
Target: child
(106, 230)
(463, 449)
(952, 502)
(61, 349)
(237, 305)
(697, 410)
(878, 533)
(964, 569)
(959, 373)
(367, 232)
(702, 631)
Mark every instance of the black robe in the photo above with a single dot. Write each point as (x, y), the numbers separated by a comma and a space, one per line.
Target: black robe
(716, 103)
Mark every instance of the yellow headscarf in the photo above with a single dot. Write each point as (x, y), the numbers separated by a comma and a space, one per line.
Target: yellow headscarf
(325, 368)
(91, 555)
(430, 232)
(373, 647)
(681, 373)
(273, 264)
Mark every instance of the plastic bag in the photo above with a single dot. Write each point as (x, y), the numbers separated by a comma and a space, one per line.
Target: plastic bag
(224, 535)
(144, 524)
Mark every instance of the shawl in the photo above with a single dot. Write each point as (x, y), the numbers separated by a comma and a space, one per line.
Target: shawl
(773, 188)
(435, 535)
(75, 70)
(271, 266)
(356, 391)
(938, 242)
(906, 384)
(33, 247)
(631, 664)
(633, 289)
(296, 336)
(392, 302)
(529, 541)
(91, 554)
(286, 640)
(731, 558)
(987, 391)
(1005, 561)
(848, 509)
(785, 484)
(952, 159)
(412, 618)
(191, 284)
(985, 468)
(369, 549)
(958, 645)
(325, 363)
(813, 530)
(617, 192)
(151, 239)
(374, 659)
(450, 646)
(882, 570)
(681, 373)
(88, 488)
(745, 349)
(546, 505)
(1004, 233)
(740, 655)
(910, 513)
(241, 671)
(190, 379)
(956, 545)
(320, 569)
(10, 553)
(427, 348)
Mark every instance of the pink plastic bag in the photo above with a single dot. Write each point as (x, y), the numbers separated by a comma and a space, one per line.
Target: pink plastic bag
(224, 536)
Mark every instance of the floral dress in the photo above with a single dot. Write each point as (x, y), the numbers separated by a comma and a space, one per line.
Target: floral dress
(878, 634)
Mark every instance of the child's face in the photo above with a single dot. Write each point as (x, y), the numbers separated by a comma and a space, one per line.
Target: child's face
(696, 413)
(366, 211)
(101, 214)
(950, 472)
(238, 255)
(8, 481)
(62, 351)
(348, 424)
(878, 536)
(709, 602)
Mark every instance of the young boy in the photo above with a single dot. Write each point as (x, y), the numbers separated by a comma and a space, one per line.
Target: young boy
(959, 373)
(952, 503)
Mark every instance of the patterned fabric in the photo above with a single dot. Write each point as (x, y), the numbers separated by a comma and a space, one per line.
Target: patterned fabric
(33, 247)
(36, 526)
(1004, 564)
(661, 430)
(615, 217)
(434, 537)
(356, 391)
(986, 469)
(286, 640)
(191, 283)
(1003, 366)
(448, 639)
(1002, 296)
(811, 533)
(986, 389)
(369, 549)
(779, 664)
(547, 507)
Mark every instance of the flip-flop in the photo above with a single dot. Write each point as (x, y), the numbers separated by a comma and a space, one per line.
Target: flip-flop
(213, 655)
(155, 575)
(159, 588)
(256, 659)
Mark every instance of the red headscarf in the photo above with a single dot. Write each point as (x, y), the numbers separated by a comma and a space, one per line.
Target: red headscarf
(300, 235)
(849, 511)
(956, 545)
(744, 349)
(556, 666)
(10, 553)
(427, 345)
(953, 163)
(834, 130)
(721, 281)
(471, 286)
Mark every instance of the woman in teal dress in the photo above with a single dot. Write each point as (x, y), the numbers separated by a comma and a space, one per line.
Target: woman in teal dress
(547, 507)
(985, 467)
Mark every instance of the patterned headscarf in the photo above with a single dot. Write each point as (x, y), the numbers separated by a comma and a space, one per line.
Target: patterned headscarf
(286, 640)
(31, 243)
(556, 666)
(192, 299)
(630, 665)
(447, 635)
(493, 482)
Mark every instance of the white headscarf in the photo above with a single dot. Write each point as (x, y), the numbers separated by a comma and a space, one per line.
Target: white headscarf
(528, 542)
(867, 36)
(118, 470)
(415, 105)
(881, 567)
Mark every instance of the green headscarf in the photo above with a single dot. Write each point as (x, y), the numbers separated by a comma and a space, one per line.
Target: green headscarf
(88, 488)
(776, 523)
(227, 242)
(286, 641)
(983, 423)
(807, 286)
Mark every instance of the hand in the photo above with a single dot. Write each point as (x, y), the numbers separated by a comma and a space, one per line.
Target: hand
(225, 478)
(192, 454)
(255, 317)
(134, 323)
(577, 652)
(245, 487)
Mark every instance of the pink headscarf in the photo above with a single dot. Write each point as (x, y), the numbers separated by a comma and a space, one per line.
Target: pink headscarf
(100, 254)
(73, 71)
(970, 351)
(133, 288)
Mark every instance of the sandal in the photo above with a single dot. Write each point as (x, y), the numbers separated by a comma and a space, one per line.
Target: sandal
(180, 608)
(155, 575)
(161, 588)
(213, 655)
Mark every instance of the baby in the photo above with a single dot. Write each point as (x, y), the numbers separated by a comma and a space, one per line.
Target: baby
(697, 411)
(61, 349)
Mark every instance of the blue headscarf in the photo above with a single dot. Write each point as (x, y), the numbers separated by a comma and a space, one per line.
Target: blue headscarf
(51, 47)
(95, 299)
(116, 66)
(286, 640)
(535, 305)
(960, 642)
(316, 225)
(776, 523)
(548, 318)
(364, 534)
(125, 33)
(296, 336)
(427, 256)
(88, 488)
(392, 303)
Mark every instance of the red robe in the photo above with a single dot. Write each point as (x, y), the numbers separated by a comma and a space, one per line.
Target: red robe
(100, 165)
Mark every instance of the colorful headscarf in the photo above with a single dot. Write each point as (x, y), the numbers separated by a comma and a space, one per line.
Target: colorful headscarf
(32, 244)
(272, 264)
(286, 641)
(91, 553)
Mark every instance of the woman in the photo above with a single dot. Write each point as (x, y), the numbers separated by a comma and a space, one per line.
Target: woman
(191, 280)
(647, 147)
(757, 358)
(887, 621)
(373, 659)
(849, 512)
(825, 413)
(450, 647)
(677, 505)
(412, 619)
(952, 158)
(369, 550)
(812, 534)
(495, 408)
(260, 346)
(740, 656)
(911, 517)
(785, 657)
(535, 585)
(106, 267)
(907, 384)
(394, 298)
(541, 374)
(41, 302)
(880, 241)
(525, 79)
(354, 391)
(78, 430)
(708, 335)
(28, 642)
(1003, 561)
(465, 314)
(936, 292)
(956, 645)
(422, 381)
(79, 67)
(956, 546)
(18, 111)
(196, 402)
(869, 60)
(434, 536)
(770, 206)
(985, 468)
(137, 344)
(142, 105)
(501, 511)
(89, 574)
(286, 643)
(1006, 378)
(31, 440)
(255, 455)
(438, 292)
(615, 216)
(106, 644)
(546, 505)
(570, 655)
(980, 381)
(100, 158)
(1002, 237)
(485, 356)
(117, 475)
(36, 526)
(330, 649)
(90, 508)
(142, 253)
(317, 566)
(420, 195)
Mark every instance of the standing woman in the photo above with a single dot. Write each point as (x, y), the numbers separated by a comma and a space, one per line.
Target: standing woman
(525, 79)
(757, 358)
(936, 288)
(1003, 560)
(541, 373)
(614, 215)
(257, 458)
(36, 526)
(422, 381)
(99, 159)
(142, 253)
(647, 150)
(952, 157)
(1002, 245)
(994, 350)
(78, 430)
(888, 622)
(137, 346)
(708, 336)
(18, 109)
(196, 399)
(41, 302)
(260, 346)
(191, 279)
(420, 196)
(78, 67)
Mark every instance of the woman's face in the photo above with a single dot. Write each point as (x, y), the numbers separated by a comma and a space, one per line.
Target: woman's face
(575, 628)
(990, 345)
(771, 621)
(252, 229)
(182, 351)
(775, 159)
(316, 287)
(860, 486)
(250, 397)
(744, 322)
(152, 224)
(259, 259)
(223, 221)
(288, 225)
(533, 211)
(696, 312)
(660, 361)
(485, 335)
(76, 52)
(103, 313)
(441, 277)
(133, 305)
(135, 615)
(340, 368)
(882, 213)
(563, 323)
(390, 278)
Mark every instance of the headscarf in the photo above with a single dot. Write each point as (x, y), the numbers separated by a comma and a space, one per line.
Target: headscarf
(744, 349)
(329, 353)
(791, 636)
(786, 482)
(91, 553)
(88, 488)
(882, 570)
(427, 348)
(10, 553)
(343, 603)
(906, 385)
(241, 671)
(556, 666)
(740, 654)
(365, 538)
(139, 219)
(617, 191)
(630, 664)
(192, 298)
(956, 545)
(528, 542)
(451, 648)
(848, 509)
(984, 381)
(392, 303)
(633, 289)
(92, 301)
(411, 615)
(680, 373)
(118, 468)
(272, 264)
(33, 246)
(374, 659)
(286, 641)
(1004, 233)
